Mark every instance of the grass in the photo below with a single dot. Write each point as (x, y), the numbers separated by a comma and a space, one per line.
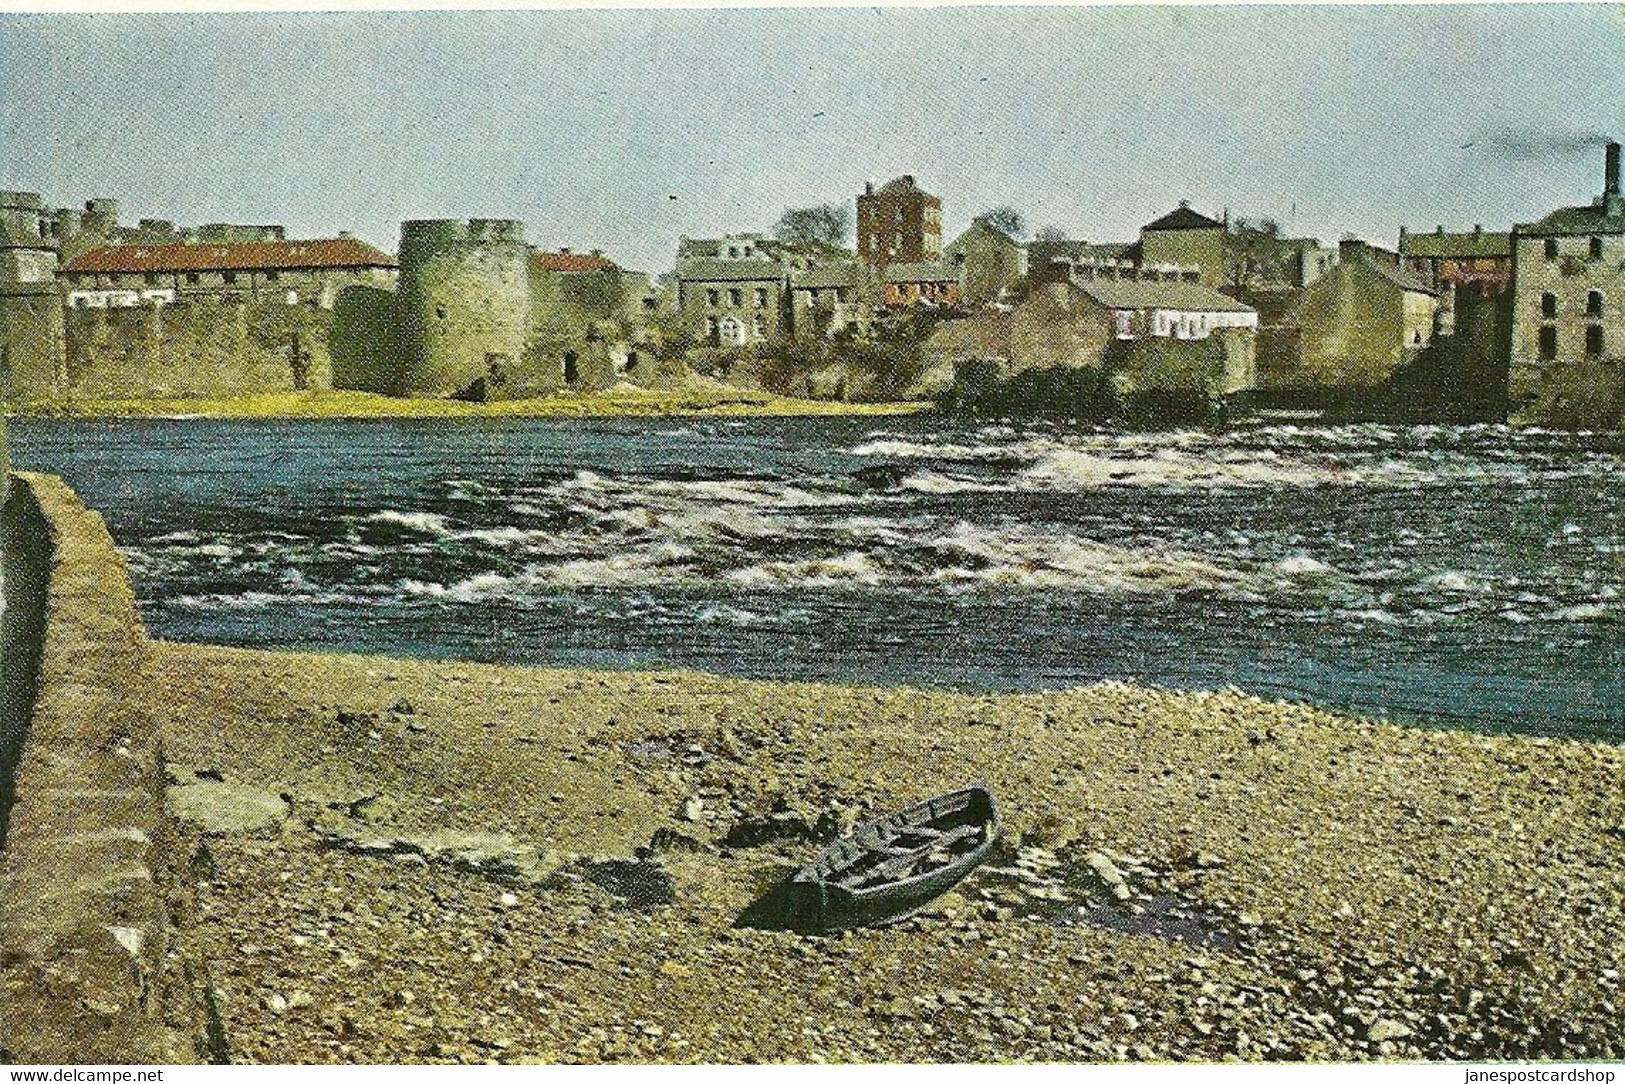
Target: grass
(623, 400)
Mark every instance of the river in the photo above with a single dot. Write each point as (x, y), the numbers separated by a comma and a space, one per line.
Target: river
(1449, 576)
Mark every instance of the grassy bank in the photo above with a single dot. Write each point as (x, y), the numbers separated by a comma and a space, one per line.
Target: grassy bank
(623, 401)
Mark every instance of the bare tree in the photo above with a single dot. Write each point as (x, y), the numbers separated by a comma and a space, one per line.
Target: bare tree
(1051, 235)
(825, 224)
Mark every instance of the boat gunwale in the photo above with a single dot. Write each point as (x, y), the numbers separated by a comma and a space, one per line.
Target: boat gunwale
(993, 825)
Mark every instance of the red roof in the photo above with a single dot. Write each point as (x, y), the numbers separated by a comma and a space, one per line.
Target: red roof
(243, 256)
(567, 262)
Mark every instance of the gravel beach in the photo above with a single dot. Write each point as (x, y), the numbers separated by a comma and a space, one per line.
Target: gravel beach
(429, 862)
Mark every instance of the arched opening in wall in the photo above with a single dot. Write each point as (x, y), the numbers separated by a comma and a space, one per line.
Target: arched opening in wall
(631, 360)
(572, 367)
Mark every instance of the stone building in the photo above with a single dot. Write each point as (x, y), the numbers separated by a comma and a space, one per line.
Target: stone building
(1355, 325)
(1479, 261)
(463, 305)
(748, 289)
(1186, 238)
(1568, 311)
(31, 333)
(989, 261)
(294, 272)
(830, 299)
(931, 283)
(898, 223)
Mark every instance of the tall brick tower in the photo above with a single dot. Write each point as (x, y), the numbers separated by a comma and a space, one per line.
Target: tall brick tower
(898, 223)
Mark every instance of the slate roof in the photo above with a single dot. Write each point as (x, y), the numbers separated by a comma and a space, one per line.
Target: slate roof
(1183, 218)
(1455, 246)
(1403, 279)
(921, 272)
(981, 225)
(1572, 221)
(730, 271)
(899, 185)
(342, 252)
(1185, 296)
(823, 277)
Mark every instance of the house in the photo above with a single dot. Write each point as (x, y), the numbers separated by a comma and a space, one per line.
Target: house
(748, 288)
(1186, 238)
(830, 299)
(1356, 324)
(989, 261)
(298, 272)
(1480, 261)
(927, 282)
(1568, 311)
(1089, 324)
(898, 223)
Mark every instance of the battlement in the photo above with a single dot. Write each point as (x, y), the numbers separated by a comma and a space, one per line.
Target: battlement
(435, 232)
(21, 201)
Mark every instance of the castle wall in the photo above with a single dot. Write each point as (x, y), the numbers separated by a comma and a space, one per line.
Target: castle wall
(464, 304)
(203, 349)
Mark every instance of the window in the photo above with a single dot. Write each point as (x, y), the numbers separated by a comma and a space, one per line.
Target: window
(151, 278)
(713, 298)
(228, 277)
(1596, 248)
(1548, 343)
(1594, 341)
(1548, 306)
(440, 311)
(1551, 248)
(761, 298)
(193, 277)
(736, 298)
(1594, 303)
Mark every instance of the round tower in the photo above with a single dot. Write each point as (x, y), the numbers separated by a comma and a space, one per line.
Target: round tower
(464, 298)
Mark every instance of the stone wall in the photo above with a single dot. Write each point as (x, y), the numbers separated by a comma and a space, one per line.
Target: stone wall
(1574, 388)
(193, 350)
(87, 973)
(464, 304)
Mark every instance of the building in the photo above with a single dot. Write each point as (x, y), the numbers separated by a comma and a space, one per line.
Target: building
(1479, 261)
(31, 332)
(1186, 238)
(898, 223)
(1168, 309)
(989, 262)
(746, 288)
(931, 283)
(1355, 325)
(1568, 311)
(296, 272)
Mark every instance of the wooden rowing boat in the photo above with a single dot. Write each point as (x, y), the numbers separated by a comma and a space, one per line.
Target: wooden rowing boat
(889, 868)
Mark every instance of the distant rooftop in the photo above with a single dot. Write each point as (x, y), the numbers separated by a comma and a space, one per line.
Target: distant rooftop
(572, 263)
(341, 252)
(1441, 245)
(1183, 218)
(1572, 221)
(1186, 296)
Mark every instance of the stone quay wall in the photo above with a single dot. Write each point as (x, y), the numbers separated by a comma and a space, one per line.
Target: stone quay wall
(88, 972)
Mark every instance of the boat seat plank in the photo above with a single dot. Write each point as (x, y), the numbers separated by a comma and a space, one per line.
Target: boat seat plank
(893, 866)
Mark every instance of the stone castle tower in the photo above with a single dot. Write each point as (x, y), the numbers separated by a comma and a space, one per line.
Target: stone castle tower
(464, 304)
(31, 335)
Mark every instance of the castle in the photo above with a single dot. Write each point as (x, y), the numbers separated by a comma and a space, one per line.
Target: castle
(90, 308)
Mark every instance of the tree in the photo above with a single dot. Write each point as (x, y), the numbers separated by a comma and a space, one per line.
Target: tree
(825, 224)
(1052, 235)
(1255, 252)
(1007, 219)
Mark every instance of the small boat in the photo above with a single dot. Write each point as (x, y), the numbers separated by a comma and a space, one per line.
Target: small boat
(889, 868)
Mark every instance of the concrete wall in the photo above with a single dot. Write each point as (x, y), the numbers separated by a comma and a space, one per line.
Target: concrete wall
(1356, 327)
(86, 972)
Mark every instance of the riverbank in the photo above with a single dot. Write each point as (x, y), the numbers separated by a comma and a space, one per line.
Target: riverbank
(400, 861)
(700, 399)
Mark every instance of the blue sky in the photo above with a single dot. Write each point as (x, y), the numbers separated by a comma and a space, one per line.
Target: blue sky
(622, 130)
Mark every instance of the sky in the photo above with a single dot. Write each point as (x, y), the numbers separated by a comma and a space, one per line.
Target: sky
(622, 130)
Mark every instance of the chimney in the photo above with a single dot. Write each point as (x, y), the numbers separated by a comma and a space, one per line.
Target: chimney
(1478, 229)
(564, 250)
(1440, 231)
(908, 178)
(868, 188)
(1610, 185)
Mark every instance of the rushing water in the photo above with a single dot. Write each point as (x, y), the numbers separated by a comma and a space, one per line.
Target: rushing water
(1466, 576)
